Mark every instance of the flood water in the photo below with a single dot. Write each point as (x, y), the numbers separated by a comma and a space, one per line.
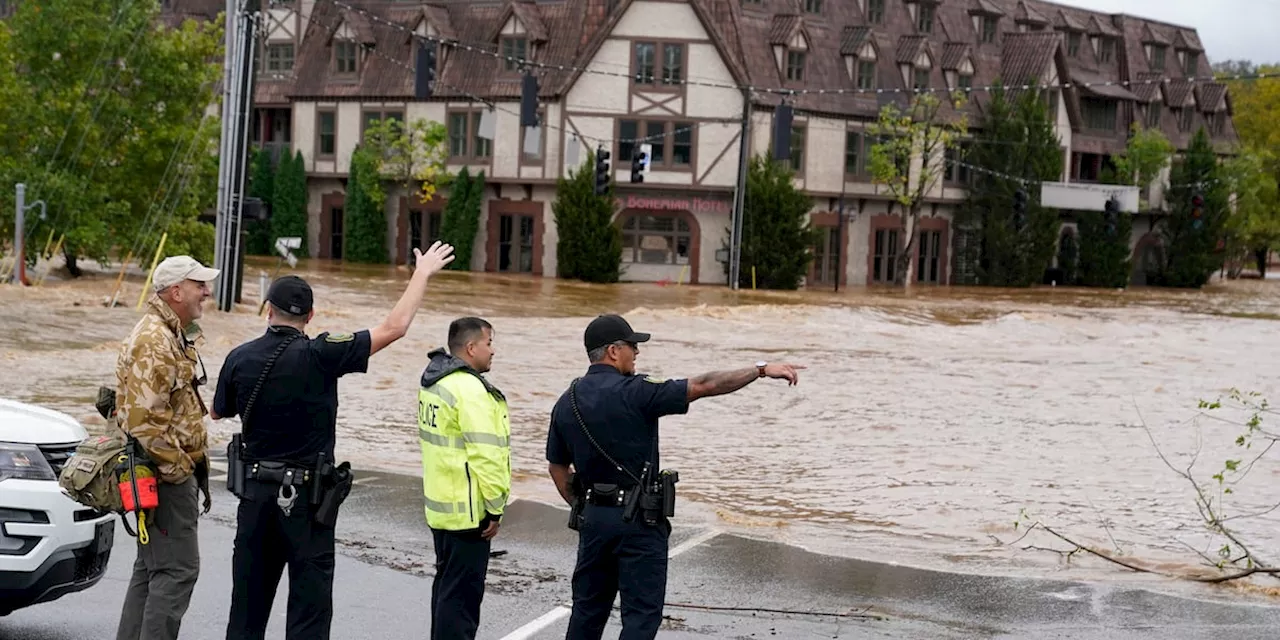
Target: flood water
(923, 425)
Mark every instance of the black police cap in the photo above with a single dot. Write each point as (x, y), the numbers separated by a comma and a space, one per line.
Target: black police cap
(608, 329)
(291, 294)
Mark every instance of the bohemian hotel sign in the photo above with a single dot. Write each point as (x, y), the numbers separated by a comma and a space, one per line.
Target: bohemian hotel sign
(691, 204)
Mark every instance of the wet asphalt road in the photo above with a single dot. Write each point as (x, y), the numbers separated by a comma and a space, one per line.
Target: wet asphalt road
(385, 566)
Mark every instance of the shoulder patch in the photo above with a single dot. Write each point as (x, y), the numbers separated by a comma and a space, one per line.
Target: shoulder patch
(654, 379)
(339, 337)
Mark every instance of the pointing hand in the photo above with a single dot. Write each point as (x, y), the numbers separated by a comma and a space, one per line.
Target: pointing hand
(434, 259)
(783, 371)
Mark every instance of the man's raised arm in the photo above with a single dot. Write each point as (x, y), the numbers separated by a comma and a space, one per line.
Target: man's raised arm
(718, 383)
(401, 316)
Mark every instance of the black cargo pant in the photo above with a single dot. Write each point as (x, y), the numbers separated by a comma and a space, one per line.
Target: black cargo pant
(267, 539)
(462, 561)
(613, 554)
(164, 575)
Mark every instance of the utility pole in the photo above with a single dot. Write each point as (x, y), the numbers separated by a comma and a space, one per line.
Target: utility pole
(19, 233)
(740, 193)
(238, 83)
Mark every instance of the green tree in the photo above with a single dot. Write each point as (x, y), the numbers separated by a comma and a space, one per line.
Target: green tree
(289, 202)
(1018, 140)
(1191, 234)
(1104, 249)
(261, 177)
(1146, 154)
(462, 217)
(364, 231)
(103, 131)
(922, 130)
(412, 156)
(777, 239)
(590, 244)
(1253, 228)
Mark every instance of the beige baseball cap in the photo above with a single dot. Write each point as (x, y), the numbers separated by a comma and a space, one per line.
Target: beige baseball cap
(175, 269)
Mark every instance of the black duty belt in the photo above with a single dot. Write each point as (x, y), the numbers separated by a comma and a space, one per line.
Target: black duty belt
(606, 495)
(278, 473)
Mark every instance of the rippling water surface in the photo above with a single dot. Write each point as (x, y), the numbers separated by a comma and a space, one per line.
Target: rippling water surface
(924, 424)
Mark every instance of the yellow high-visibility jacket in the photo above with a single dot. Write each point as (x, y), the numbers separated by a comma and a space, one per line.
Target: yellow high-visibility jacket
(465, 435)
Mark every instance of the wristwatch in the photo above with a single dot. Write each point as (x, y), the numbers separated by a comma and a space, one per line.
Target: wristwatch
(760, 367)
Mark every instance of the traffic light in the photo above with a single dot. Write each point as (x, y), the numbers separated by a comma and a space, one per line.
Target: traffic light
(1112, 212)
(529, 101)
(602, 171)
(1197, 211)
(640, 162)
(424, 73)
(1019, 209)
(782, 118)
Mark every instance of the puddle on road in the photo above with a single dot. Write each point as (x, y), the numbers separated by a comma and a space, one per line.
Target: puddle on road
(925, 422)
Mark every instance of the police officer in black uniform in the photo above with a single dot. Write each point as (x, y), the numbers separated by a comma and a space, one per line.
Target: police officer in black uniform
(602, 447)
(284, 385)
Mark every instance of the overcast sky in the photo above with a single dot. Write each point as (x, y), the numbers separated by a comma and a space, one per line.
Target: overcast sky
(1229, 29)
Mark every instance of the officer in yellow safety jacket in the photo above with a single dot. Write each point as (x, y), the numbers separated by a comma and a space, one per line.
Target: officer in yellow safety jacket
(466, 472)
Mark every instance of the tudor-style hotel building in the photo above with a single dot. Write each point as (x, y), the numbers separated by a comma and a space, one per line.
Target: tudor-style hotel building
(328, 68)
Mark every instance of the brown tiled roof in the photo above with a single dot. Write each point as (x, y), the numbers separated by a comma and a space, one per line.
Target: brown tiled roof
(1101, 25)
(360, 24)
(953, 55)
(985, 6)
(1151, 33)
(434, 15)
(1064, 20)
(851, 40)
(572, 32)
(1184, 39)
(1027, 13)
(909, 48)
(783, 27)
(1209, 95)
(1089, 82)
(1146, 86)
(1177, 92)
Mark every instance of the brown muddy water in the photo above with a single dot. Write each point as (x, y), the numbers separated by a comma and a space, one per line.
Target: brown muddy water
(924, 424)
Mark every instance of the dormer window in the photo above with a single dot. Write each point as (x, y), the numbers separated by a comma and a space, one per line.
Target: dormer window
(1073, 44)
(917, 73)
(1190, 63)
(1105, 48)
(964, 82)
(875, 11)
(514, 50)
(795, 65)
(813, 6)
(346, 55)
(860, 56)
(866, 74)
(987, 33)
(924, 17)
(1155, 56)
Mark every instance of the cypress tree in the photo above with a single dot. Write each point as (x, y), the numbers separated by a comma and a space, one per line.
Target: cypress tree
(455, 227)
(1017, 140)
(289, 202)
(1191, 243)
(777, 239)
(364, 221)
(261, 186)
(590, 244)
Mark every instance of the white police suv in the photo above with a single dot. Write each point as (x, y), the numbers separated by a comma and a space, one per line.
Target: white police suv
(50, 545)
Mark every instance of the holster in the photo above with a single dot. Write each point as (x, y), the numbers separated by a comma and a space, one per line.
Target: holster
(235, 466)
(281, 473)
(336, 488)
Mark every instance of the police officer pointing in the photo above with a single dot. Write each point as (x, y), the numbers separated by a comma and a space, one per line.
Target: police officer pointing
(602, 447)
(284, 386)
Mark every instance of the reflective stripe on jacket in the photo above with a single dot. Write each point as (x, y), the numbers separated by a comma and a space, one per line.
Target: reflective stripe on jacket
(465, 434)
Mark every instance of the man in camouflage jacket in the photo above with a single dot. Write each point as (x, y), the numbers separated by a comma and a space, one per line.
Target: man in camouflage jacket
(159, 406)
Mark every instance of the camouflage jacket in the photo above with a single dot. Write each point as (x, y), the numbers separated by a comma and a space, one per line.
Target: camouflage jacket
(158, 403)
